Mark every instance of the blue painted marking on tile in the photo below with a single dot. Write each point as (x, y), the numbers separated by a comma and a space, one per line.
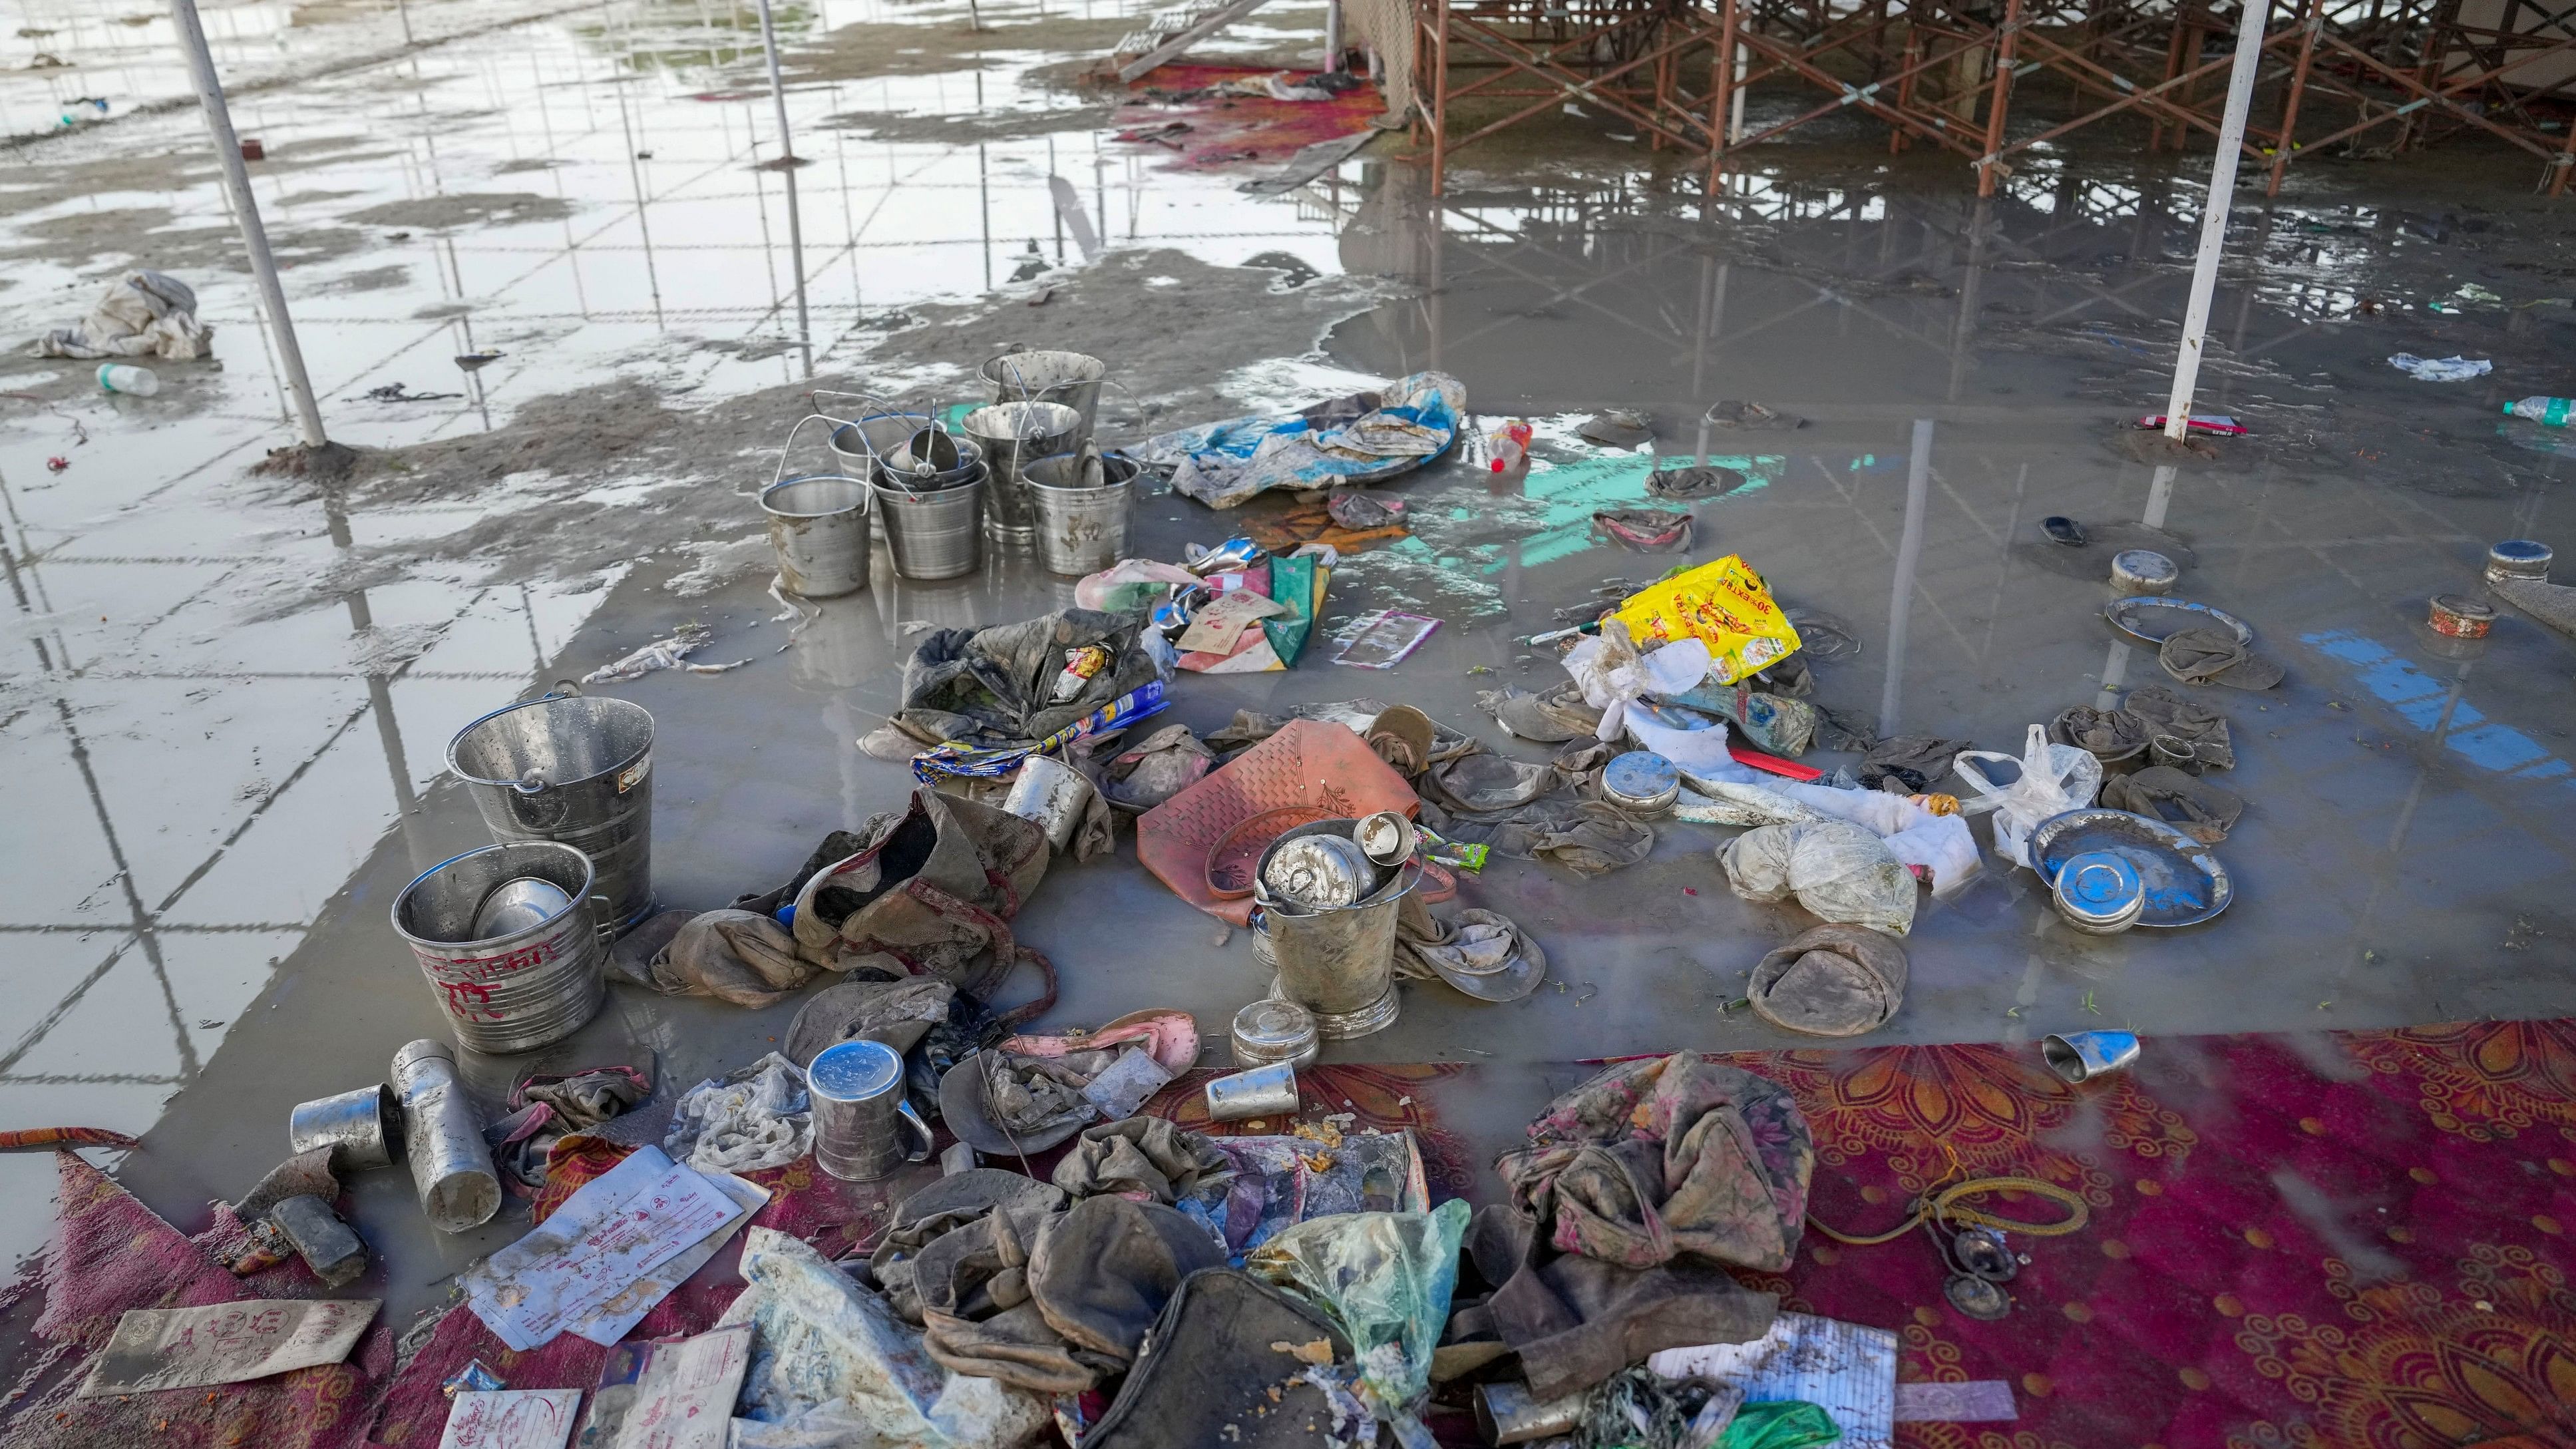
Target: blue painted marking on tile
(2417, 698)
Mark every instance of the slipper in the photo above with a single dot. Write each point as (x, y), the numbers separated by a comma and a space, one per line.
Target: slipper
(2063, 530)
(1645, 530)
(1171, 1035)
(1617, 428)
(1483, 954)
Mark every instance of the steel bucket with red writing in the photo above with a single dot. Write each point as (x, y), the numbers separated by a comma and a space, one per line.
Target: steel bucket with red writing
(519, 991)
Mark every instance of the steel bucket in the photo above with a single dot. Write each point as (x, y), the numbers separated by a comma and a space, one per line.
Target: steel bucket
(1068, 378)
(933, 534)
(1338, 964)
(1013, 435)
(1080, 504)
(514, 992)
(897, 466)
(575, 770)
(870, 438)
(818, 524)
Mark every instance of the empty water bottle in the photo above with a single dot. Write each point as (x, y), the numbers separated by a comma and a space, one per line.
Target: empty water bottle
(2548, 411)
(126, 377)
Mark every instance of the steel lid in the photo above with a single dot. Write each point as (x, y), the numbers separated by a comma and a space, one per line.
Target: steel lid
(2099, 888)
(1640, 780)
(854, 1071)
(1273, 1030)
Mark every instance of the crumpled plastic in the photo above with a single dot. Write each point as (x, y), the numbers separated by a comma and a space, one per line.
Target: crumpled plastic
(831, 1364)
(142, 314)
(1386, 1280)
(748, 1119)
(1775, 723)
(671, 653)
(2052, 780)
(1613, 674)
(1358, 438)
(1131, 585)
(746, 959)
(2441, 369)
(1838, 870)
(1780, 1424)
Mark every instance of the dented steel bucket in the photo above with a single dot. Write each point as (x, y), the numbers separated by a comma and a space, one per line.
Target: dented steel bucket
(1338, 964)
(1080, 504)
(517, 991)
(1071, 379)
(818, 526)
(575, 770)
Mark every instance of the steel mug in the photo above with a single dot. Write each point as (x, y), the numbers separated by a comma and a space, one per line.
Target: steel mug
(2081, 1056)
(860, 1113)
(1269, 1091)
(363, 1126)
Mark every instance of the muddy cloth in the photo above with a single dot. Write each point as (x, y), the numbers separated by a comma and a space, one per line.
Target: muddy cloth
(838, 846)
(547, 1107)
(1684, 484)
(2168, 713)
(2212, 656)
(1485, 784)
(1586, 836)
(1845, 729)
(2188, 803)
(976, 1313)
(1914, 761)
(1025, 1096)
(1576, 1320)
(1616, 428)
(1148, 1155)
(1830, 981)
(142, 314)
(1165, 763)
(1549, 717)
(998, 686)
(1669, 1157)
(751, 1118)
(1360, 437)
(1231, 1364)
(1732, 414)
(1775, 724)
(931, 895)
(1838, 870)
(1580, 761)
(1645, 530)
(947, 1204)
(1054, 1302)
(746, 959)
(1484, 954)
(2107, 733)
(1104, 1270)
(897, 1013)
(1365, 510)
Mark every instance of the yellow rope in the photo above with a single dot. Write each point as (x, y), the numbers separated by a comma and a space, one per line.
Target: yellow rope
(1942, 1205)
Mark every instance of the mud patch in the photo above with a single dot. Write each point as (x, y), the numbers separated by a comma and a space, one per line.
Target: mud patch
(473, 208)
(967, 129)
(866, 51)
(372, 279)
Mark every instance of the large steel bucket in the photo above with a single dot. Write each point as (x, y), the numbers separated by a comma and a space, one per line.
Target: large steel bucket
(1069, 378)
(575, 770)
(933, 534)
(520, 990)
(1080, 503)
(1013, 435)
(1338, 964)
(818, 525)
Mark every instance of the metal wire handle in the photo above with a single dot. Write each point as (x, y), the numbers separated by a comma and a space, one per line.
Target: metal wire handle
(779, 475)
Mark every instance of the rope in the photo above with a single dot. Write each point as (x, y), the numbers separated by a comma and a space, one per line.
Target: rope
(1942, 1206)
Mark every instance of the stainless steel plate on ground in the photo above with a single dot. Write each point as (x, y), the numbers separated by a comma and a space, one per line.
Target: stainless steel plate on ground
(2184, 880)
(2151, 620)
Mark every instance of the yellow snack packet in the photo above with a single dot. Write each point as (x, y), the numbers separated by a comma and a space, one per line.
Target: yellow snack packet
(1725, 604)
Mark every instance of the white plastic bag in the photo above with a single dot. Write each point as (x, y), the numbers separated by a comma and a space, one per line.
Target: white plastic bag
(2053, 779)
(755, 1117)
(1837, 870)
(1612, 673)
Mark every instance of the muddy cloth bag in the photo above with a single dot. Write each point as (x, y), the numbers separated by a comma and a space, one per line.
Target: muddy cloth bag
(1913, 761)
(1678, 1156)
(1231, 1364)
(932, 894)
(2108, 733)
(2188, 803)
(1838, 870)
(998, 686)
(1830, 981)
(897, 1013)
(2168, 713)
(2213, 656)
(746, 959)
(1576, 1320)
(947, 1204)
(1148, 1156)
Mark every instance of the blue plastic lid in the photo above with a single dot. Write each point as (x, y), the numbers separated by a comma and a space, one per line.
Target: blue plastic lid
(854, 1070)
(2100, 885)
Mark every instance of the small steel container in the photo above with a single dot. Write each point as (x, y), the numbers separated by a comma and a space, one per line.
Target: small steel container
(860, 1113)
(2462, 617)
(2081, 1055)
(443, 1136)
(1275, 1032)
(1269, 1091)
(2143, 571)
(1319, 872)
(364, 1126)
(1507, 1413)
(1050, 793)
(2100, 893)
(1641, 783)
(516, 992)
(2173, 750)
(1387, 837)
(2518, 558)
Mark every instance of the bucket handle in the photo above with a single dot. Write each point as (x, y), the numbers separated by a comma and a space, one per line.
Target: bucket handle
(604, 921)
(779, 474)
(814, 399)
(1018, 376)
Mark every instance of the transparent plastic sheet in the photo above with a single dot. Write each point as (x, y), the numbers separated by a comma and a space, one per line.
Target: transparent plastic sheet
(1386, 1279)
(2052, 780)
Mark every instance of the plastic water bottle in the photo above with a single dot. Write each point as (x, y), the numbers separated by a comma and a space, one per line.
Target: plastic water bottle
(2548, 411)
(1507, 445)
(128, 378)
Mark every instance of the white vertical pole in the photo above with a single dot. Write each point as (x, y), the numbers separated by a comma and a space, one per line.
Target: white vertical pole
(263, 266)
(777, 87)
(1909, 557)
(2213, 218)
(1332, 36)
(787, 163)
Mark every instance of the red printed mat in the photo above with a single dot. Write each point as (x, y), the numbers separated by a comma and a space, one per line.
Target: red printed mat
(1251, 131)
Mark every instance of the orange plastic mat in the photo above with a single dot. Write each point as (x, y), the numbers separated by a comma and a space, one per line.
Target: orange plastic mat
(1308, 763)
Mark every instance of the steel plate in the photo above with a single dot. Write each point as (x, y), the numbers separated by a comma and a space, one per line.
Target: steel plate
(2136, 617)
(2184, 880)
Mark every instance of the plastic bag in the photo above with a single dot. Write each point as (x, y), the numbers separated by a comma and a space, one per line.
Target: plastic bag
(1726, 606)
(1613, 672)
(1386, 1279)
(2053, 779)
(744, 1121)
(1838, 870)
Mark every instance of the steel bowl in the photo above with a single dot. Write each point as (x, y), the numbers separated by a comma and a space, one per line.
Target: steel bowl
(519, 904)
(1319, 872)
(2099, 892)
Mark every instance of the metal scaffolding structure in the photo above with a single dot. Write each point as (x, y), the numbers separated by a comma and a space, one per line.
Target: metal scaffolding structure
(1990, 80)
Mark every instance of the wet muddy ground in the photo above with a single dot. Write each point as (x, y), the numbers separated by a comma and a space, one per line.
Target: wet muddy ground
(226, 698)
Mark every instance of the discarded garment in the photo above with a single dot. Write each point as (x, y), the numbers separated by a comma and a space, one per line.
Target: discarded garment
(2214, 656)
(1588, 836)
(746, 959)
(1549, 717)
(1359, 438)
(1913, 761)
(545, 1108)
(2110, 734)
(1682, 485)
(897, 1013)
(1148, 1156)
(753, 1117)
(1484, 954)
(1831, 981)
(1486, 783)
(2191, 805)
(671, 653)
(142, 314)
(1645, 530)
(1732, 414)
(2203, 728)
(1616, 428)
(2441, 369)
(1839, 871)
